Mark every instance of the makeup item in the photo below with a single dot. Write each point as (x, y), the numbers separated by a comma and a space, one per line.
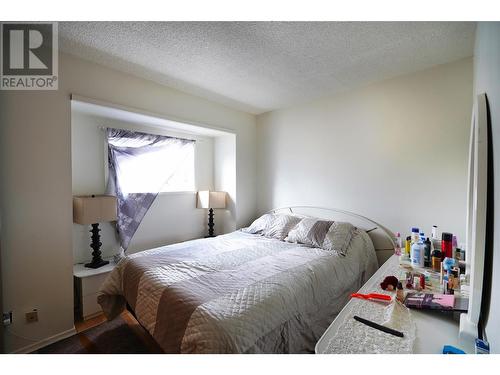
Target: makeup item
(427, 253)
(416, 283)
(408, 246)
(428, 279)
(457, 255)
(427, 275)
(454, 244)
(397, 248)
(382, 297)
(430, 301)
(400, 294)
(378, 326)
(447, 275)
(435, 240)
(461, 267)
(436, 260)
(449, 284)
(446, 245)
(422, 281)
(455, 272)
(409, 280)
(436, 244)
(462, 254)
(434, 234)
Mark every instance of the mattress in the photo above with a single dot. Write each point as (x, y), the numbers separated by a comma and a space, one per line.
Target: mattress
(237, 293)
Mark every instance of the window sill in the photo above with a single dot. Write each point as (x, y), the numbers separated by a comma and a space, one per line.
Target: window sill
(177, 192)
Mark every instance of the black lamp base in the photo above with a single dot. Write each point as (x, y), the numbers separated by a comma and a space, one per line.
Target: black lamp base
(97, 260)
(97, 264)
(211, 232)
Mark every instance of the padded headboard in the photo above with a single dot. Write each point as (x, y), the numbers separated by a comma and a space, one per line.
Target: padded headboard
(382, 238)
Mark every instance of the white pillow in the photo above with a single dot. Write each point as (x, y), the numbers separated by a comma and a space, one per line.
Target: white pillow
(258, 226)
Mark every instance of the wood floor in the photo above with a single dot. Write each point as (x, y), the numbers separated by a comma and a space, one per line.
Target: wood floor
(138, 331)
(81, 326)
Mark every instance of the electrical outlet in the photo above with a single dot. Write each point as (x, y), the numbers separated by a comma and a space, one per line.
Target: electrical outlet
(32, 316)
(7, 318)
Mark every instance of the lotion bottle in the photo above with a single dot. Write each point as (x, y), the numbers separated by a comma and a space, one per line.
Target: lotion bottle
(417, 254)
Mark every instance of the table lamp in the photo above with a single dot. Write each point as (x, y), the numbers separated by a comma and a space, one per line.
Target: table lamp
(93, 210)
(211, 200)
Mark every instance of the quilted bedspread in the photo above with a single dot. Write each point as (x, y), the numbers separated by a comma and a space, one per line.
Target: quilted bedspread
(237, 293)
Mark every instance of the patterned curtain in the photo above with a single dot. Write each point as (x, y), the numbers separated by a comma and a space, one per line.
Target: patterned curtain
(140, 164)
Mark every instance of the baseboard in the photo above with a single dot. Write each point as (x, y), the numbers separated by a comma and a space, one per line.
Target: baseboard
(42, 343)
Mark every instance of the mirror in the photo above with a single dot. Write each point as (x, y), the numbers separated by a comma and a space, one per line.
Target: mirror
(476, 219)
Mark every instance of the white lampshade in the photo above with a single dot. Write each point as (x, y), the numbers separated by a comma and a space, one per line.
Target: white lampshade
(211, 199)
(94, 209)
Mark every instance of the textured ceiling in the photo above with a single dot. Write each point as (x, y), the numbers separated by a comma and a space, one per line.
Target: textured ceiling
(261, 66)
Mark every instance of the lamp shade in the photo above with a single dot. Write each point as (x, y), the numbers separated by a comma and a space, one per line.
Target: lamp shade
(211, 199)
(94, 209)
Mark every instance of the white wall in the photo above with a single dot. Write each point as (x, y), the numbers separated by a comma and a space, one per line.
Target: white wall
(395, 151)
(173, 217)
(36, 187)
(225, 180)
(487, 80)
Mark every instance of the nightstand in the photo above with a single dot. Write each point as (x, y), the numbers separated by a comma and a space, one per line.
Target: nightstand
(87, 282)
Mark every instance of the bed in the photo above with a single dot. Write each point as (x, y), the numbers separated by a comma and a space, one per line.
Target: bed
(242, 292)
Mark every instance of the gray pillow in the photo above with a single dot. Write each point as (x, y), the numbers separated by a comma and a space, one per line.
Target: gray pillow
(339, 237)
(279, 226)
(325, 234)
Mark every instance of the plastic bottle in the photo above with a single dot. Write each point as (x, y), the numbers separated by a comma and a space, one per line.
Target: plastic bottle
(436, 260)
(417, 254)
(435, 240)
(434, 235)
(427, 252)
(414, 235)
(446, 245)
(408, 247)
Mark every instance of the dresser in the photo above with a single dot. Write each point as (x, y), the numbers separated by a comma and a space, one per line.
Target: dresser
(87, 282)
(434, 329)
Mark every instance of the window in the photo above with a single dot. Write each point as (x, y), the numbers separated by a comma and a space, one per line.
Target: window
(146, 163)
(183, 177)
